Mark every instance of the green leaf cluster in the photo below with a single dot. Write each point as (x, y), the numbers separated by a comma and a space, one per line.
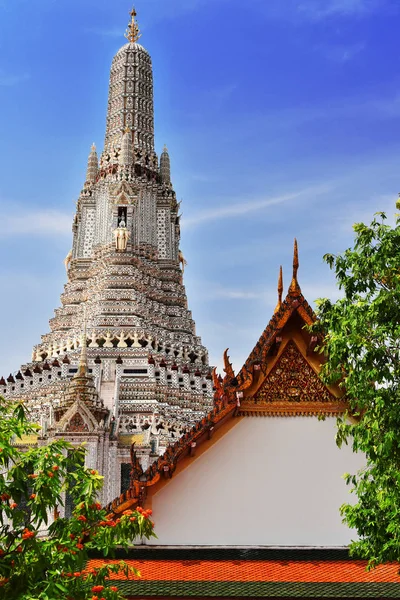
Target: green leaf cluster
(42, 558)
(362, 347)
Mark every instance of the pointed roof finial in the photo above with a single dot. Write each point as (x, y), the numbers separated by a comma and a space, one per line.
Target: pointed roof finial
(93, 147)
(280, 289)
(294, 286)
(165, 149)
(133, 33)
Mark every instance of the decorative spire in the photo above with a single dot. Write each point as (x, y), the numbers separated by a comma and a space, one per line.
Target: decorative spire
(133, 33)
(83, 362)
(165, 166)
(92, 167)
(280, 289)
(126, 155)
(294, 287)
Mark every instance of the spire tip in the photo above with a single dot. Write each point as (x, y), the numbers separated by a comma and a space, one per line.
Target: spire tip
(294, 286)
(133, 34)
(280, 289)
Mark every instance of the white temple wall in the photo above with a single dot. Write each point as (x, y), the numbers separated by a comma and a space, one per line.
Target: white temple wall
(269, 482)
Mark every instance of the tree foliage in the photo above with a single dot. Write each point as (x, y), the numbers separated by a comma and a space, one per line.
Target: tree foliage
(362, 344)
(32, 485)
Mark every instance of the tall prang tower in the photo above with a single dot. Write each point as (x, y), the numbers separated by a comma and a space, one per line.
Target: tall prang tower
(125, 288)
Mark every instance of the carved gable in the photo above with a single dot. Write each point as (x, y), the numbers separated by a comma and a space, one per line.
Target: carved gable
(78, 418)
(77, 424)
(292, 387)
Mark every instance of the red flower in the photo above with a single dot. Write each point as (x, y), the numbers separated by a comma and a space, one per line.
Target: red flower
(79, 546)
(93, 472)
(95, 598)
(113, 588)
(128, 512)
(50, 474)
(132, 519)
(26, 535)
(77, 574)
(71, 536)
(32, 496)
(82, 518)
(97, 588)
(55, 467)
(19, 549)
(5, 496)
(1, 552)
(13, 505)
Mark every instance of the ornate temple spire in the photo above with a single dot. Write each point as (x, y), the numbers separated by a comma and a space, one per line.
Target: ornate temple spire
(83, 361)
(130, 97)
(126, 154)
(165, 166)
(280, 289)
(133, 33)
(92, 167)
(294, 287)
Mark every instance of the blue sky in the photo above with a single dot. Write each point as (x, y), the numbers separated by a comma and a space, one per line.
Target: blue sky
(282, 118)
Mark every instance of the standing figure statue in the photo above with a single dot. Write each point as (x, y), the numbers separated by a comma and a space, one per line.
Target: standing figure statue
(121, 236)
(67, 261)
(182, 261)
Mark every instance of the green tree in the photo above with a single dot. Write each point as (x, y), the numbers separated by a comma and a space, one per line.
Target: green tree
(32, 485)
(362, 345)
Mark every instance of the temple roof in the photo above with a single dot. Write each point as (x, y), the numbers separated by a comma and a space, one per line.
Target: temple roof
(253, 573)
(279, 378)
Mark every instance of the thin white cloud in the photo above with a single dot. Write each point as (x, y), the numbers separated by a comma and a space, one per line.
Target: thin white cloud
(322, 9)
(232, 294)
(341, 53)
(35, 223)
(9, 79)
(246, 207)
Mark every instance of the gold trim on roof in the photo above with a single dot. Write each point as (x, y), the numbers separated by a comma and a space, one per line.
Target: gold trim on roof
(133, 32)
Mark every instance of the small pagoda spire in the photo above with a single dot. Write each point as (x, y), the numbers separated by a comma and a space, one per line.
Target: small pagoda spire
(165, 166)
(126, 154)
(83, 360)
(294, 287)
(133, 32)
(92, 167)
(280, 290)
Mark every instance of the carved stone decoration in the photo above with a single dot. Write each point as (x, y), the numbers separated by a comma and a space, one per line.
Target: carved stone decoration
(76, 424)
(293, 387)
(78, 418)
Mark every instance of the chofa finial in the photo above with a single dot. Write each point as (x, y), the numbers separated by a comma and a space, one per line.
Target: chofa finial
(133, 33)
(294, 286)
(280, 289)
